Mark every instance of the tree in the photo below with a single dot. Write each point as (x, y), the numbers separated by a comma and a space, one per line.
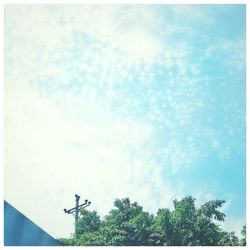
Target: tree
(89, 222)
(128, 225)
(88, 229)
(243, 240)
(183, 220)
(66, 242)
(207, 232)
(162, 228)
(228, 239)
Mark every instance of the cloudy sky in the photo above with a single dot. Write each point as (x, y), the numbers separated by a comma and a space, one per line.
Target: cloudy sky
(113, 101)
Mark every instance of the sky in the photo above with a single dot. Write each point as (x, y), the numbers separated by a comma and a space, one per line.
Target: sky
(114, 101)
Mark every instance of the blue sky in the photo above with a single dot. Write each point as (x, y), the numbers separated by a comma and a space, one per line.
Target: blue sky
(112, 101)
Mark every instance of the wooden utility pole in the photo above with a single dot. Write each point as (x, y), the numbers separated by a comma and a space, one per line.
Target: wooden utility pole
(75, 211)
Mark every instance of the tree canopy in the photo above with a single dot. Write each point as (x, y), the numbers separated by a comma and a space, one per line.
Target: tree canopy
(128, 225)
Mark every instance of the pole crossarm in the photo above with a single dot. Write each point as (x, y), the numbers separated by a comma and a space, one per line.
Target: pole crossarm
(87, 203)
(75, 211)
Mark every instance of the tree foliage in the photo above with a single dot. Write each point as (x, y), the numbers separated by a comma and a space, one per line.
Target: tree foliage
(128, 225)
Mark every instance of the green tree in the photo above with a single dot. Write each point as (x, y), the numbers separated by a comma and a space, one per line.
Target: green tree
(188, 226)
(128, 225)
(243, 240)
(228, 239)
(66, 242)
(89, 222)
(207, 232)
(88, 229)
(162, 228)
(91, 239)
(183, 220)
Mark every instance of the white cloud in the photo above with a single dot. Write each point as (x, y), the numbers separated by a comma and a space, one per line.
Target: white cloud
(179, 156)
(141, 45)
(51, 31)
(61, 135)
(49, 156)
(233, 52)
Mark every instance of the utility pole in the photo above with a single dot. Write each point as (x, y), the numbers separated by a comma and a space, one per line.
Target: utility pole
(75, 211)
